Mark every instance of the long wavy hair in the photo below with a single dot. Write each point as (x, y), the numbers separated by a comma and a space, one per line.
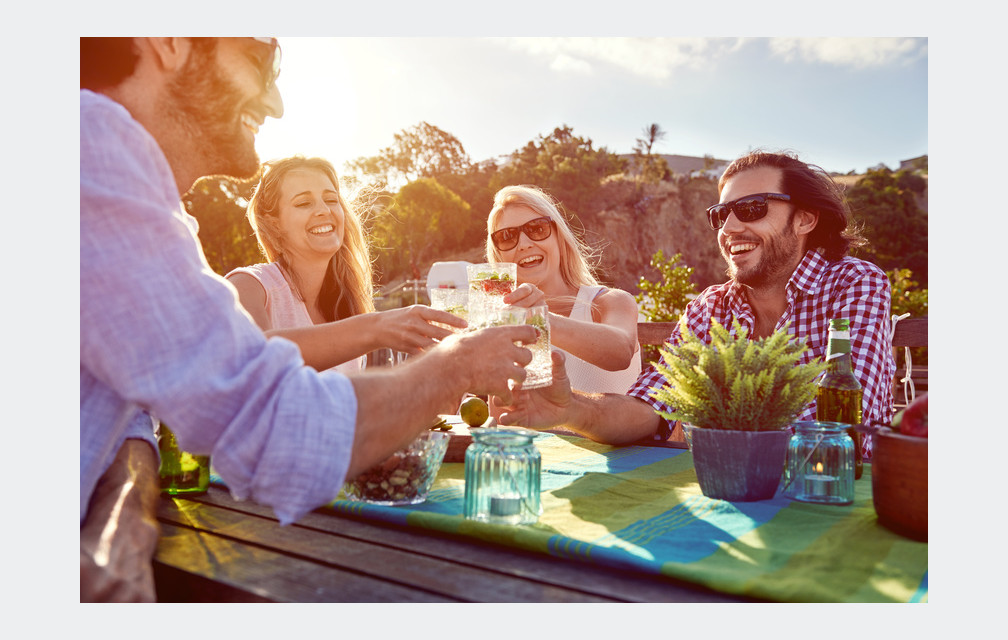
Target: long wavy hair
(576, 257)
(347, 289)
(811, 189)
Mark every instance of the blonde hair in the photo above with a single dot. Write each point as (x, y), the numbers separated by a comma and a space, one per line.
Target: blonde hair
(575, 256)
(347, 289)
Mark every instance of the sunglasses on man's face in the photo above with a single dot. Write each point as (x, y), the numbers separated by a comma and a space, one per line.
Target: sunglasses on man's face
(269, 69)
(747, 208)
(507, 238)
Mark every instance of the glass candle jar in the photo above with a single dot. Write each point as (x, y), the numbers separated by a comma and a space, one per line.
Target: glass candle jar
(502, 468)
(820, 463)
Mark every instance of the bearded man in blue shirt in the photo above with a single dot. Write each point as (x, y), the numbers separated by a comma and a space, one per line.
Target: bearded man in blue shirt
(162, 335)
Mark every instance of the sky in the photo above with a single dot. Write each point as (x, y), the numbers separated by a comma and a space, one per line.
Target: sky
(842, 103)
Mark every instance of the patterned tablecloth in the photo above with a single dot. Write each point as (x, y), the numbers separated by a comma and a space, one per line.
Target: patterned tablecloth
(641, 507)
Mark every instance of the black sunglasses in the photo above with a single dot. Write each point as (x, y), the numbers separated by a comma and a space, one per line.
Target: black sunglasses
(507, 238)
(270, 67)
(747, 209)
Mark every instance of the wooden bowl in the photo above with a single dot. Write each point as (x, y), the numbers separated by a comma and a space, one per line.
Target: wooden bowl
(899, 470)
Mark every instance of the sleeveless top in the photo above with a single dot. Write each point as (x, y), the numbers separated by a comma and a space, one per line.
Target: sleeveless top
(586, 376)
(286, 310)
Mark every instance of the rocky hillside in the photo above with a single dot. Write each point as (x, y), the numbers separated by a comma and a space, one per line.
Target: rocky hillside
(635, 220)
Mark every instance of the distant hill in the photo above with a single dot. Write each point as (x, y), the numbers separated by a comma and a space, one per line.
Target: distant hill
(684, 165)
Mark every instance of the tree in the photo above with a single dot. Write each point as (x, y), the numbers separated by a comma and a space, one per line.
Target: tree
(565, 165)
(425, 219)
(423, 151)
(652, 134)
(894, 223)
(651, 167)
(218, 204)
(665, 300)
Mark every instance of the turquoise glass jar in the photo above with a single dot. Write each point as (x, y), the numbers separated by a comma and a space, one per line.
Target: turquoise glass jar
(502, 473)
(820, 463)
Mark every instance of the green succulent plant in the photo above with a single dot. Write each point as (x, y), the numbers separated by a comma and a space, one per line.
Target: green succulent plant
(735, 383)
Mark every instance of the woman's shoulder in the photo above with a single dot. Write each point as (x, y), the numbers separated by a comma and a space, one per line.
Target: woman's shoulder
(267, 273)
(614, 296)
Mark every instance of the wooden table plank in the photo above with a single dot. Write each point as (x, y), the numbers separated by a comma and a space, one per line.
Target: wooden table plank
(435, 564)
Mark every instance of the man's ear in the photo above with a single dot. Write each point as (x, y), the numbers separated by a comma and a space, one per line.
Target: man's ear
(169, 54)
(805, 222)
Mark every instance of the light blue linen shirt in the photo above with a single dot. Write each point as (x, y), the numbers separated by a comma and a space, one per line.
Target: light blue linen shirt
(161, 333)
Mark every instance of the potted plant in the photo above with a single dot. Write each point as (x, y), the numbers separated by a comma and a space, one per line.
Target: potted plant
(736, 398)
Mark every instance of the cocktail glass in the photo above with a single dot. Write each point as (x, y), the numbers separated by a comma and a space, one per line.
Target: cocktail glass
(454, 301)
(488, 284)
(539, 372)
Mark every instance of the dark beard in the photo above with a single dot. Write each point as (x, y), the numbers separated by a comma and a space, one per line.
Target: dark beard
(780, 255)
(208, 107)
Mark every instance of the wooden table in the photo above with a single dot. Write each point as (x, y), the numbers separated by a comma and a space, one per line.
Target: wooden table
(216, 549)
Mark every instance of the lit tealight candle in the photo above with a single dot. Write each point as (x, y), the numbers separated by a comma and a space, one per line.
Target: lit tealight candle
(818, 484)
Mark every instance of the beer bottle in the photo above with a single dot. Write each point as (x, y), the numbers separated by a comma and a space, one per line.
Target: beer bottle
(180, 471)
(838, 398)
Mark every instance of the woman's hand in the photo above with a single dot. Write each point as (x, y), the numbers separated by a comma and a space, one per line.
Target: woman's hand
(526, 295)
(410, 329)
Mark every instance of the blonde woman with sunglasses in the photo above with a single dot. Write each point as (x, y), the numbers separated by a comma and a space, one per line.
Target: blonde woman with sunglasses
(593, 325)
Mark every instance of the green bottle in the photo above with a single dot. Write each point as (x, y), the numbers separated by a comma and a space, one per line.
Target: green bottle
(838, 398)
(180, 472)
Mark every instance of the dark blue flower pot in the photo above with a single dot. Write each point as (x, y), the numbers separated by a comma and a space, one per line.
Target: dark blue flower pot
(742, 466)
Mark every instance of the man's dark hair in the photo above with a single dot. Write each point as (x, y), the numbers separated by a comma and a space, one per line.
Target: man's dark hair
(811, 189)
(105, 62)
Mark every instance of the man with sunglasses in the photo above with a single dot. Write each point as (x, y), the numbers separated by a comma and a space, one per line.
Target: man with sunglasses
(783, 231)
(162, 335)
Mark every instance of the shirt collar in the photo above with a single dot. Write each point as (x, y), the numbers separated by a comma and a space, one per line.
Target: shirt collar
(805, 279)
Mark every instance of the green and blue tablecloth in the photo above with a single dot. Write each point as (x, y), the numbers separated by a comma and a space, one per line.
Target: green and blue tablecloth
(641, 508)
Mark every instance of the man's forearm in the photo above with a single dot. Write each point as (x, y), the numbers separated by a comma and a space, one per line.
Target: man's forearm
(119, 535)
(612, 418)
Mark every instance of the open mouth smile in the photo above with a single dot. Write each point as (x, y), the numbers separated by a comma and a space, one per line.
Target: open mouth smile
(322, 229)
(741, 247)
(250, 123)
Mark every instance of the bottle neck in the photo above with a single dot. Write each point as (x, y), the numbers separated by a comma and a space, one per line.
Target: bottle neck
(838, 351)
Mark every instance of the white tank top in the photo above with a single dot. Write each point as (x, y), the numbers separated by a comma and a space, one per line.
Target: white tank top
(286, 310)
(586, 376)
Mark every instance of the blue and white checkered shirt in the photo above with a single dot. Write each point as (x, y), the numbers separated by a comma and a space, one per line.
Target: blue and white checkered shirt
(817, 291)
(162, 334)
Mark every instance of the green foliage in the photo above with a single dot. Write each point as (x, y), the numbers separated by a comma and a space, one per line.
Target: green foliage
(426, 219)
(907, 296)
(423, 151)
(566, 165)
(736, 383)
(665, 300)
(894, 223)
(218, 203)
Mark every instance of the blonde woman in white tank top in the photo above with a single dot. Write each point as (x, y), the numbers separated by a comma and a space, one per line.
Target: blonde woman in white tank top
(316, 289)
(595, 326)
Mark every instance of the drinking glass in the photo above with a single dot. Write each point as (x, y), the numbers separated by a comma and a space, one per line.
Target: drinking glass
(539, 372)
(488, 284)
(454, 301)
(385, 357)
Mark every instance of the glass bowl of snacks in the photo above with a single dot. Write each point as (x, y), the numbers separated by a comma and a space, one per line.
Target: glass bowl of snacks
(405, 477)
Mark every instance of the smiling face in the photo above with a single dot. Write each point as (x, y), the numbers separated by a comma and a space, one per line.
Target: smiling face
(538, 261)
(219, 100)
(311, 217)
(763, 252)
